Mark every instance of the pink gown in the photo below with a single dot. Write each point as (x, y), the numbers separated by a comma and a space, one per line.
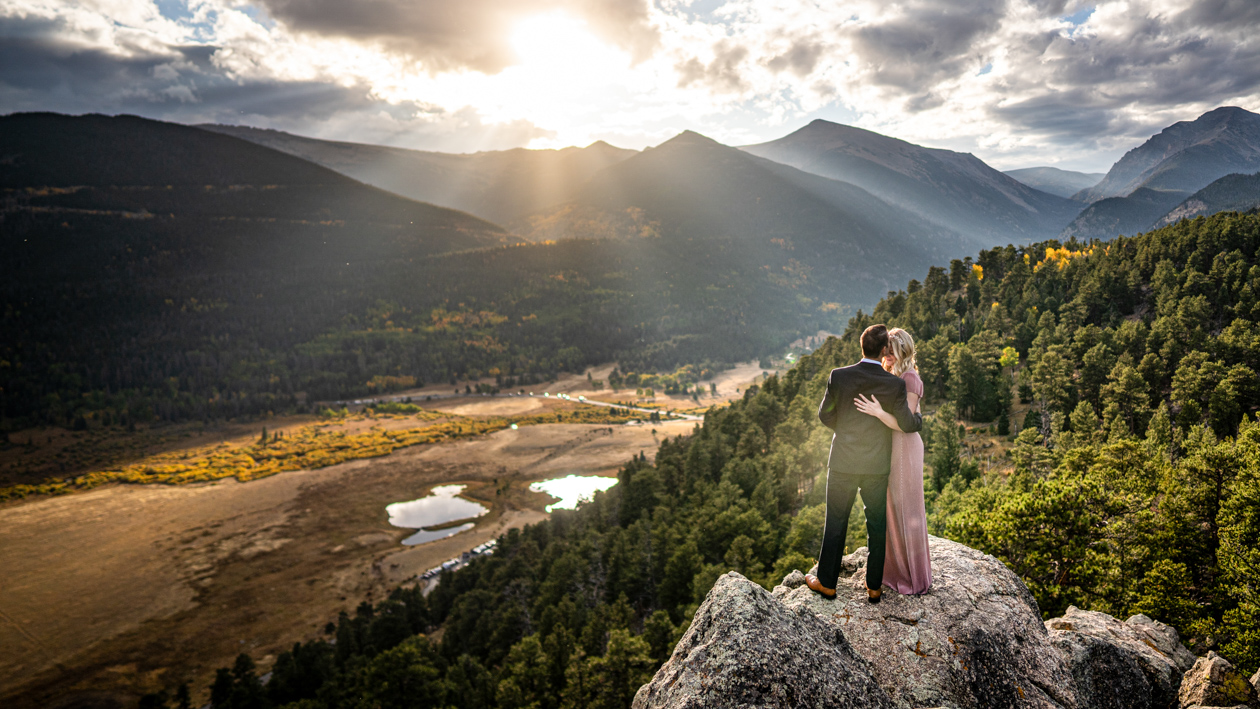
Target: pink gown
(907, 566)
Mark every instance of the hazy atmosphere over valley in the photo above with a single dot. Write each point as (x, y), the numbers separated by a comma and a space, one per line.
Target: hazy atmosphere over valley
(404, 353)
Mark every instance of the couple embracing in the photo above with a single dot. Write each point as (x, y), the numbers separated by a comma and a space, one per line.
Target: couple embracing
(873, 408)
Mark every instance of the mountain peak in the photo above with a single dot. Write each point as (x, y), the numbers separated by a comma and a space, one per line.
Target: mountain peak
(1227, 111)
(822, 129)
(955, 190)
(690, 138)
(1212, 120)
(1186, 156)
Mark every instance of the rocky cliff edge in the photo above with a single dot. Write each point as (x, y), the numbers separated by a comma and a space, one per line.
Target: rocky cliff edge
(975, 640)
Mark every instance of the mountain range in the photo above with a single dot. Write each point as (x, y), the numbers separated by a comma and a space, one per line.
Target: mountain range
(1152, 179)
(953, 190)
(698, 191)
(544, 193)
(161, 271)
(954, 194)
(690, 189)
(496, 185)
(137, 247)
(1064, 183)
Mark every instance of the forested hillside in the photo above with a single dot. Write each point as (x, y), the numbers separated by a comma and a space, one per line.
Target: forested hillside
(1132, 486)
(1231, 193)
(1135, 480)
(157, 272)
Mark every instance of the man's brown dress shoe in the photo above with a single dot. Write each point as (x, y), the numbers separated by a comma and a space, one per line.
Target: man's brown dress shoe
(816, 585)
(874, 596)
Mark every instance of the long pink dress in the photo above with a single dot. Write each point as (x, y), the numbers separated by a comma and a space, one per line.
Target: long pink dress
(907, 566)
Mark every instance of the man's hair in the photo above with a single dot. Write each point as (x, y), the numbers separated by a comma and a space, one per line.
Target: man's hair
(874, 340)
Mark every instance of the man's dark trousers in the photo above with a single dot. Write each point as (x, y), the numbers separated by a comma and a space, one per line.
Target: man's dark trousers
(841, 490)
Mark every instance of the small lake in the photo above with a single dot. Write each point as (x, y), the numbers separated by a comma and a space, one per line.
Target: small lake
(442, 505)
(425, 535)
(572, 489)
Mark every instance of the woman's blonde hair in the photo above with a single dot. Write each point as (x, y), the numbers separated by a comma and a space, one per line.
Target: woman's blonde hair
(901, 347)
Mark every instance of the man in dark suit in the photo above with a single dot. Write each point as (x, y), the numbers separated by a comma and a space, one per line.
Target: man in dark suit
(860, 459)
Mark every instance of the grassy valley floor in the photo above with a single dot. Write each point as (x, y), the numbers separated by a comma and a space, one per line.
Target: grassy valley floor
(112, 591)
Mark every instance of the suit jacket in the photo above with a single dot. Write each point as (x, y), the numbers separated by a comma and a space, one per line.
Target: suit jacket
(862, 444)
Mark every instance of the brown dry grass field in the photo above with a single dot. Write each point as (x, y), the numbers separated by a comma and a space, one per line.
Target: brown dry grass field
(116, 591)
(731, 384)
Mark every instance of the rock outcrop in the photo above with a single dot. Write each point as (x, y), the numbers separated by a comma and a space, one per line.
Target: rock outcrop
(975, 640)
(1214, 682)
(746, 649)
(1131, 665)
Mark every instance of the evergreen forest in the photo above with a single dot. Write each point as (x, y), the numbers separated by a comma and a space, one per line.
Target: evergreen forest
(97, 333)
(156, 273)
(1130, 485)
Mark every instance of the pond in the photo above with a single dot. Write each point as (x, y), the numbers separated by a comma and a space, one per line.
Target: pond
(443, 505)
(572, 489)
(426, 535)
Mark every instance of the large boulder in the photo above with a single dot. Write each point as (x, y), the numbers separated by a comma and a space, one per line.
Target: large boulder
(746, 649)
(1214, 682)
(974, 640)
(1131, 665)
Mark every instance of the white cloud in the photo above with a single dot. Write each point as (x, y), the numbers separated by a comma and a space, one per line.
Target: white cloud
(1010, 80)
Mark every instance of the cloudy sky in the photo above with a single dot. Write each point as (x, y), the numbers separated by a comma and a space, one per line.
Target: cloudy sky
(1071, 83)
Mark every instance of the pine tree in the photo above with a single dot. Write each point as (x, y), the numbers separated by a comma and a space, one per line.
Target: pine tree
(945, 457)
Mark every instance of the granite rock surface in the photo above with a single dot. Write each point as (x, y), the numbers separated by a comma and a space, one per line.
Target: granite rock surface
(1215, 682)
(746, 649)
(974, 640)
(1133, 664)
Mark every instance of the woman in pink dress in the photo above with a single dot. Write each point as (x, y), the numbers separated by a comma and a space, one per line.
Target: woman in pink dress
(907, 566)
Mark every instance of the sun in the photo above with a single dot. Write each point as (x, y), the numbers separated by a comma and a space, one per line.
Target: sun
(556, 42)
(564, 76)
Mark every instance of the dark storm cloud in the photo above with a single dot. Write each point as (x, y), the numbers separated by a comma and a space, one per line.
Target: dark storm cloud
(800, 59)
(926, 42)
(43, 69)
(61, 75)
(1056, 8)
(47, 73)
(452, 34)
(1114, 81)
(1208, 13)
(1065, 116)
